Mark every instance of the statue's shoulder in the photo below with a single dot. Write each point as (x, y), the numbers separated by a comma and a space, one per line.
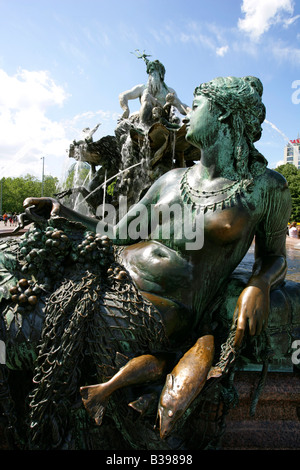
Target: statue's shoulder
(274, 194)
(273, 181)
(167, 182)
(171, 177)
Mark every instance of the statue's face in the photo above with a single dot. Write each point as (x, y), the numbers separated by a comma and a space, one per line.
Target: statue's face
(155, 67)
(156, 113)
(202, 123)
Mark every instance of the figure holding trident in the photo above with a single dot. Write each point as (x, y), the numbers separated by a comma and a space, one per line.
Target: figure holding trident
(154, 94)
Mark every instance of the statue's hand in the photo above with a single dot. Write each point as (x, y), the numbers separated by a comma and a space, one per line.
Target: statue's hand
(253, 308)
(170, 98)
(37, 208)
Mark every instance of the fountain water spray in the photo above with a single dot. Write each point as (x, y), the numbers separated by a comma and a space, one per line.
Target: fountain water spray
(110, 179)
(277, 130)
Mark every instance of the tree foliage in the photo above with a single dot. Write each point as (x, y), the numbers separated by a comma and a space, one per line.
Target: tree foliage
(292, 175)
(15, 190)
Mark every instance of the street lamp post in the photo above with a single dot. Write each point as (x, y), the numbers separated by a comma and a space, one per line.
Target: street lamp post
(43, 158)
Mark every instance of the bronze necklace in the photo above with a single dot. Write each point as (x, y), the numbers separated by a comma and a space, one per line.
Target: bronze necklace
(226, 197)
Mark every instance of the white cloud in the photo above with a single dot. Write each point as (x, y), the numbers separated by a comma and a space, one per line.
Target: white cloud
(107, 120)
(221, 51)
(29, 89)
(201, 34)
(289, 21)
(260, 15)
(26, 132)
(286, 53)
(100, 114)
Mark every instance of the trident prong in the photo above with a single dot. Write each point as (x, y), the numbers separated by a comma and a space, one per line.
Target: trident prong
(141, 55)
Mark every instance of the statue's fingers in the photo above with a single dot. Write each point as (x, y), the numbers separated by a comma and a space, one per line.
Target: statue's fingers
(30, 201)
(240, 328)
(256, 324)
(55, 208)
(239, 335)
(39, 202)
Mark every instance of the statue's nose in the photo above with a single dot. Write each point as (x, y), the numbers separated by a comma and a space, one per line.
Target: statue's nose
(186, 119)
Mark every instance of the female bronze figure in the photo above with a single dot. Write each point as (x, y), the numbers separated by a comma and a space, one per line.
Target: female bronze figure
(232, 198)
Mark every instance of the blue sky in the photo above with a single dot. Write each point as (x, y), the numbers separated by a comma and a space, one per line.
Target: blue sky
(63, 64)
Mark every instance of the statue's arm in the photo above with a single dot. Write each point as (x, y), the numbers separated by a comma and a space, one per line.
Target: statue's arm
(47, 207)
(269, 268)
(125, 96)
(93, 130)
(182, 108)
(133, 226)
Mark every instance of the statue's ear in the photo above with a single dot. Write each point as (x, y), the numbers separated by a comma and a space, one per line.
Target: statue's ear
(224, 116)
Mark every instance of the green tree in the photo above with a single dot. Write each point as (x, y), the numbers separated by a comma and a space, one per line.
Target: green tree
(15, 190)
(292, 175)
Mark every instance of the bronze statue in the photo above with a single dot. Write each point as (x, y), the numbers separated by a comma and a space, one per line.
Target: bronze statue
(240, 199)
(146, 144)
(154, 94)
(172, 285)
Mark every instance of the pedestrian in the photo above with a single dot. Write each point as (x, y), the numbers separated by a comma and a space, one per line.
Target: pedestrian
(5, 218)
(293, 230)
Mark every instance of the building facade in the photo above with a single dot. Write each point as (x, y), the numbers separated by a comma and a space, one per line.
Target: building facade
(292, 153)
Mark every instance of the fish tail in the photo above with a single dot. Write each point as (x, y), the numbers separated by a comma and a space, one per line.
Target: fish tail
(95, 399)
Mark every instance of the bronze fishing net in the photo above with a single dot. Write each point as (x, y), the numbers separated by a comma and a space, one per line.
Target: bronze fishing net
(95, 320)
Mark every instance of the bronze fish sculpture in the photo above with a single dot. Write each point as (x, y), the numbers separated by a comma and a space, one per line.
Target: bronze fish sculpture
(184, 383)
(141, 369)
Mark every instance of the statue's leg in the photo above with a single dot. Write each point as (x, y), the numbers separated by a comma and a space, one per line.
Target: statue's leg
(184, 383)
(141, 369)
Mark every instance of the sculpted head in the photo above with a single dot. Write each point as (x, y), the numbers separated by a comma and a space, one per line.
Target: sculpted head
(237, 103)
(239, 98)
(156, 66)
